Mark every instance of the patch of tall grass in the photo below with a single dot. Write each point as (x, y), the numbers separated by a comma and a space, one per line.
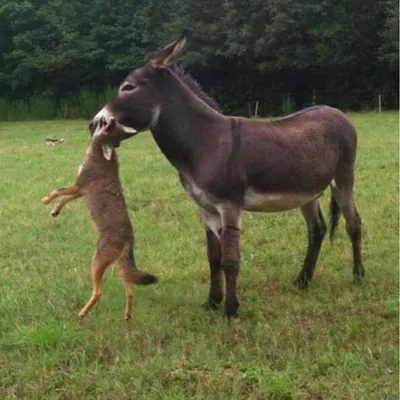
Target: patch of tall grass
(288, 105)
(82, 104)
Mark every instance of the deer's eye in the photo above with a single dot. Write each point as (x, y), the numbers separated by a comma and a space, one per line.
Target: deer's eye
(128, 87)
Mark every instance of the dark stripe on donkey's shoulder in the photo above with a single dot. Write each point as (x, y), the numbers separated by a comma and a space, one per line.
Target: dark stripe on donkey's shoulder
(236, 144)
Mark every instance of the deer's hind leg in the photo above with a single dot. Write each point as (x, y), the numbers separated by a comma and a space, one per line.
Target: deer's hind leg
(64, 191)
(124, 270)
(316, 229)
(105, 255)
(128, 270)
(131, 274)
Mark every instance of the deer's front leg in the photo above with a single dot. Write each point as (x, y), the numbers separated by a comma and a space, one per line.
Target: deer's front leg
(65, 200)
(65, 191)
(230, 257)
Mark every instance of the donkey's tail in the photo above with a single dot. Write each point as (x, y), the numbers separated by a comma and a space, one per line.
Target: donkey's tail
(334, 217)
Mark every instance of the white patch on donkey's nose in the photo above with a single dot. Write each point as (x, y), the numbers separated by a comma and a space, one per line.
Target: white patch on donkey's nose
(103, 113)
(107, 115)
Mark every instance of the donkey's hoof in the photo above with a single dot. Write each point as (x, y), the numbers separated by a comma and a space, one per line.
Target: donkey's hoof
(210, 305)
(357, 279)
(45, 200)
(358, 273)
(234, 322)
(301, 283)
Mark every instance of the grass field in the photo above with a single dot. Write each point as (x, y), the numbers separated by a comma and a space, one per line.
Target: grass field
(334, 341)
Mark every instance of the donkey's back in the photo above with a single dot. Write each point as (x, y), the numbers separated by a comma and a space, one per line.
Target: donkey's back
(300, 154)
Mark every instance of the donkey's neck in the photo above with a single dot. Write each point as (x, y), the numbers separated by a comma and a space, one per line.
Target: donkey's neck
(184, 125)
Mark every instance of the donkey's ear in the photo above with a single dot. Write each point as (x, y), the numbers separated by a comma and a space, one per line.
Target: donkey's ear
(165, 56)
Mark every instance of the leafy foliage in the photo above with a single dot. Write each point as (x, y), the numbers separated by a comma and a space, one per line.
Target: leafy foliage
(241, 51)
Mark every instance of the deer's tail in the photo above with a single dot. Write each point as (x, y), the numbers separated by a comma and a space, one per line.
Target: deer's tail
(131, 272)
(143, 278)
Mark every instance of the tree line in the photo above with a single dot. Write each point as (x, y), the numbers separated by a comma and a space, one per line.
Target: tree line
(63, 57)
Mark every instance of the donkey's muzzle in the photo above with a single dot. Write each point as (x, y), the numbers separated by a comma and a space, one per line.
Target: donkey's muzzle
(119, 132)
(108, 124)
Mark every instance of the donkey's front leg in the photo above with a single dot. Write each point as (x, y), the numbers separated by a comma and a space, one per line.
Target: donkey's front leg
(64, 191)
(213, 232)
(230, 257)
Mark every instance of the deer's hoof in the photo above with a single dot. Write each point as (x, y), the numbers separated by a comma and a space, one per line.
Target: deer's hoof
(54, 213)
(45, 200)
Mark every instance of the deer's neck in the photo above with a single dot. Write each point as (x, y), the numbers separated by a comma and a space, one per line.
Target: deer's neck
(94, 156)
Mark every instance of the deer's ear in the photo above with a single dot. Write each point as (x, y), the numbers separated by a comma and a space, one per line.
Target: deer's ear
(167, 55)
(107, 151)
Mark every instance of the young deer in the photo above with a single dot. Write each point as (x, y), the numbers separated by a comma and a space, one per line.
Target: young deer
(99, 182)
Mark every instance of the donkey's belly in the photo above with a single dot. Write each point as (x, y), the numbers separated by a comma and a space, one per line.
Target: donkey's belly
(275, 202)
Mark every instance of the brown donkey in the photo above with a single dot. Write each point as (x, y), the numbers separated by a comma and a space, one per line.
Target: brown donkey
(99, 182)
(229, 164)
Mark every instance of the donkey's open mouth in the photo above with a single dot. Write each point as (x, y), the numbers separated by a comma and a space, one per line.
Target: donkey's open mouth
(120, 132)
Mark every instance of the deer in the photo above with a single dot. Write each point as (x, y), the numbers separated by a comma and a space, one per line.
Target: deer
(227, 164)
(98, 181)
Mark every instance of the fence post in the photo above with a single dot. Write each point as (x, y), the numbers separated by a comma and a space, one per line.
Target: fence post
(314, 97)
(256, 110)
(379, 103)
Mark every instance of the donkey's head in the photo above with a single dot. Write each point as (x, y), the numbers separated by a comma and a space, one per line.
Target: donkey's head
(137, 105)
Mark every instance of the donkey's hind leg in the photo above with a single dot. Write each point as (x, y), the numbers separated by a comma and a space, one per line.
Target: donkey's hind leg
(346, 203)
(316, 229)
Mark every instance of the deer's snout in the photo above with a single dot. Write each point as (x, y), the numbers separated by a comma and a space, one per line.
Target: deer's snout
(104, 116)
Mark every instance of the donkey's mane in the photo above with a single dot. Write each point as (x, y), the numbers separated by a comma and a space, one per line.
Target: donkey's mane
(194, 86)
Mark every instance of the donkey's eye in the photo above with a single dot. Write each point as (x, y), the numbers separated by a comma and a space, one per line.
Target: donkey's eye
(128, 87)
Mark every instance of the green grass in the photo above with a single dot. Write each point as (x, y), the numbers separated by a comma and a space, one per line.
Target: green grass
(334, 341)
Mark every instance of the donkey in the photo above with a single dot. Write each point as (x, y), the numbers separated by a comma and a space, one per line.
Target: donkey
(99, 182)
(228, 164)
